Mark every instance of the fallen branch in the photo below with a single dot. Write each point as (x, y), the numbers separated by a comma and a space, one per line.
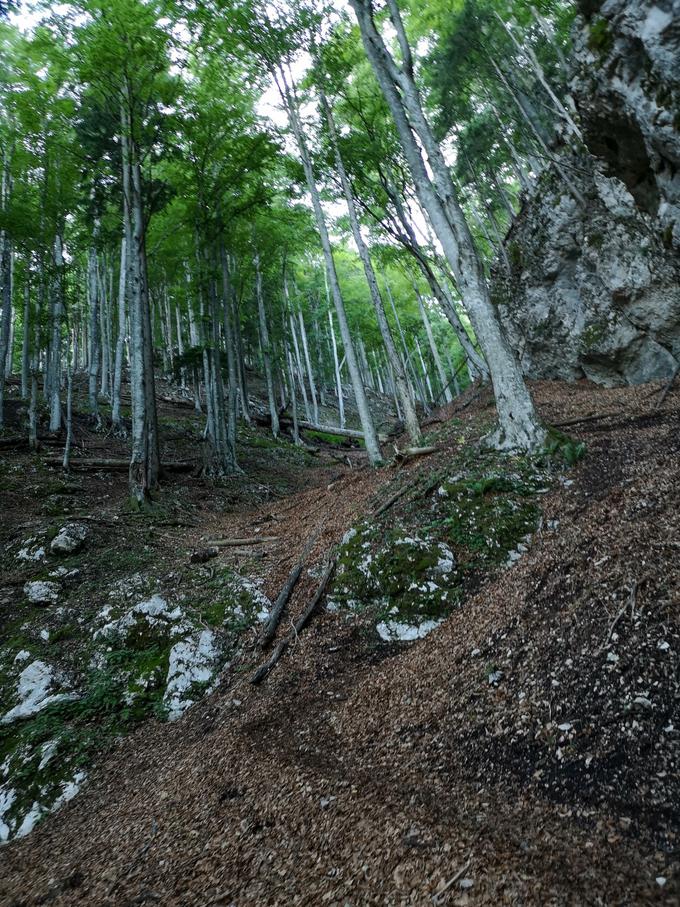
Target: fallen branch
(410, 453)
(392, 499)
(333, 430)
(298, 626)
(269, 631)
(631, 602)
(594, 418)
(88, 463)
(233, 543)
(437, 898)
(667, 389)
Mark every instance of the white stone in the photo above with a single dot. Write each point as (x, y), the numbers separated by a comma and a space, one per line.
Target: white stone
(395, 631)
(33, 692)
(69, 539)
(192, 660)
(41, 592)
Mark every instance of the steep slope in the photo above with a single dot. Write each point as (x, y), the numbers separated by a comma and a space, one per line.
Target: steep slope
(524, 752)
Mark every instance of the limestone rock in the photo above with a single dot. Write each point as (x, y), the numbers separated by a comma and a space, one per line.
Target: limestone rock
(41, 592)
(35, 692)
(70, 539)
(594, 288)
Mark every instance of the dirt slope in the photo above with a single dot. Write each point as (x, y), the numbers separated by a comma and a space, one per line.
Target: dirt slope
(526, 752)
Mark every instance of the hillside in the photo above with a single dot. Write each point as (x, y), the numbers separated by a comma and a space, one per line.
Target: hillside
(523, 752)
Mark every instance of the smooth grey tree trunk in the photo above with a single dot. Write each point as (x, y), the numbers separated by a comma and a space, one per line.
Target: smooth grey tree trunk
(95, 334)
(266, 348)
(26, 340)
(338, 380)
(519, 427)
(57, 306)
(370, 434)
(308, 364)
(405, 398)
(433, 349)
(120, 340)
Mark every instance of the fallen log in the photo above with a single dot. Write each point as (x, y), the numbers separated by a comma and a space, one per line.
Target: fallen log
(234, 543)
(410, 453)
(89, 463)
(269, 631)
(264, 670)
(334, 430)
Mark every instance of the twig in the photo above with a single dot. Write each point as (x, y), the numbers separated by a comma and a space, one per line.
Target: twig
(436, 898)
(631, 603)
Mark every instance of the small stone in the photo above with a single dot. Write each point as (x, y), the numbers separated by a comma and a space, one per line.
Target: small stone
(495, 677)
(70, 539)
(465, 884)
(41, 592)
(661, 881)
(565, 727)
(642, 702)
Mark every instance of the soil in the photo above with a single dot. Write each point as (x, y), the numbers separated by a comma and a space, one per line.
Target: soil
(525, 752)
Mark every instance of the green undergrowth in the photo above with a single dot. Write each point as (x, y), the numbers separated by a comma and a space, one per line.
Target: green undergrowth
(454, 528)
(118, 672)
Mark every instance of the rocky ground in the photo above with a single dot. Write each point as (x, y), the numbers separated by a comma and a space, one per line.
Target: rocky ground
(524, 751)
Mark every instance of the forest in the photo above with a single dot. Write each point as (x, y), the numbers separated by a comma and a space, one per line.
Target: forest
(339, 355)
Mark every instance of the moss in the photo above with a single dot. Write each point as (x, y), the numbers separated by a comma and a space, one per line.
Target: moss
(486, 517)
(600, 39)
(592, 335)
(515, 255)
(394, 575)
(226, 604)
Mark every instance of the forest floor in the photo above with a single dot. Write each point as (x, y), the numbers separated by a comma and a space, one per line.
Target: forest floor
(524, 752)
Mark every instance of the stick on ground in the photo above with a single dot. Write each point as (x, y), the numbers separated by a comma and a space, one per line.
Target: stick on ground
(299, 625)
(269, 631)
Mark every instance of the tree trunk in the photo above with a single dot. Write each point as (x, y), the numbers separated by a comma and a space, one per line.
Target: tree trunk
(405, 398)
(433, 349)
(120, 339)
(519, 427)
(338, 381)
(266, 348)
(95, 335)
(371, 438)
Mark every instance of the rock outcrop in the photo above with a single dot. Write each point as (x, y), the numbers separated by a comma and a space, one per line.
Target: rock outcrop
(593, 290)
(594, 283)
(627, 89)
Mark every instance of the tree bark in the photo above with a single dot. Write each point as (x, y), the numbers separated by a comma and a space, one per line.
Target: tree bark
(371, 440)
(519, 427)
(402, 389)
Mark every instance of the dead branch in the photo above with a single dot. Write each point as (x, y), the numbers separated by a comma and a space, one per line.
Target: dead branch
(235, 543)
(269, 631)
(88, 463)
(410, 453)
(392, 499)
(594, 418)
(299, 625)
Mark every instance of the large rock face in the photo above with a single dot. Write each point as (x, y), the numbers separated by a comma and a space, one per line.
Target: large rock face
(594, 288)
(627, 89)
